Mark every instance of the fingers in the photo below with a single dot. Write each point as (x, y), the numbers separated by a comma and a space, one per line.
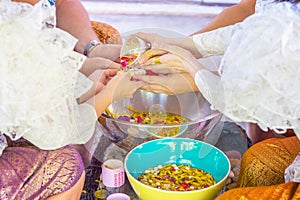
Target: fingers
(160, 59)
(111, 72)
(128, 78)
(92, 64)
(174, 62)
(98, 75)
(139, 84)
(176, 50)
(87, 95)
(159, 69)
(108, 51)
(155, 88)
(170, 84)
(101, 77)
(103, 63)
(98, 78)
(155, 84)
(163, 44)
(149, 54)
(150, 79)
(148, 37)
(122, 86)
(167, 63)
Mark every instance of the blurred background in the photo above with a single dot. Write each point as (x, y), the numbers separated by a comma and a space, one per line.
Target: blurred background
(182, 16)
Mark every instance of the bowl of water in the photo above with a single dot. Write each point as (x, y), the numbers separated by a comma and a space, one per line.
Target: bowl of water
(146, 116)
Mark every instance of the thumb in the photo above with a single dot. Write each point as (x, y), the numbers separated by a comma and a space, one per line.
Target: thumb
(158, 69)
(139, 84)
(148, 37)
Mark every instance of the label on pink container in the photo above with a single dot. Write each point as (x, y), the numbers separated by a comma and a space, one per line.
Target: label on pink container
(113, 173)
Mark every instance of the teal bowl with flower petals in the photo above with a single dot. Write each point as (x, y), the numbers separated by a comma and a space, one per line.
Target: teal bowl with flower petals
(197, 154)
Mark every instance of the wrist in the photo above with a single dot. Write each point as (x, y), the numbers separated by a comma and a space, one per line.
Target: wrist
(188, 44)
(91, 46)
(100, 101)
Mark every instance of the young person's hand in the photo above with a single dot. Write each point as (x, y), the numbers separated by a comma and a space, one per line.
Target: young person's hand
(168, 84)
(123, 86)
(100, 78)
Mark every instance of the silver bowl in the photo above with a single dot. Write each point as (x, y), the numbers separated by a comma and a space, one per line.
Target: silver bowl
(191, 105)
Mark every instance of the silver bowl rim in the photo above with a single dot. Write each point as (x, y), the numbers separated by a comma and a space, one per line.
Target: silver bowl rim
(211, 116)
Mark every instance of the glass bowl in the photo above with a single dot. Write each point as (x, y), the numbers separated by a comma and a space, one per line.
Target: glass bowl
(192, 106)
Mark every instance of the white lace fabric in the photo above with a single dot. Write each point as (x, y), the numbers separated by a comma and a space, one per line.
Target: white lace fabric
(3, 143)
(260, 73)
(261, 5)
(292, 172)
(39, 79)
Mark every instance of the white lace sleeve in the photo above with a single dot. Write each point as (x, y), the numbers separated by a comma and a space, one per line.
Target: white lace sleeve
(3, 143)
(292, 172)
(214, 42)
(260, 74)
(40, 81)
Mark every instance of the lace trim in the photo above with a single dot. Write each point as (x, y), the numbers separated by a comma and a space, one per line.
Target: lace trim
(3, 143)
(40, 80)
(258, 84)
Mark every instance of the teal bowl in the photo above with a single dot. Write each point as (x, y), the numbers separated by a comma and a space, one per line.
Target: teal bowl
(179, 151)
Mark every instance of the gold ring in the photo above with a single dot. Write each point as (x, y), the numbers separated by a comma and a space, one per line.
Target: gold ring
(149, 54)
(157, 60)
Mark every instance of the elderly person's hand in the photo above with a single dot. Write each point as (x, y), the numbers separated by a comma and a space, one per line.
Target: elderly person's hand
(170, 59)
(171, 70)
(158, 42)
(92, 64)
(108, 51)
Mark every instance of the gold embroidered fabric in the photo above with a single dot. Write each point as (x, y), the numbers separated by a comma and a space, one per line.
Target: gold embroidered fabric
(262, 171)
(106, 33)
(30, 173)
(286, 191)
(264, 163)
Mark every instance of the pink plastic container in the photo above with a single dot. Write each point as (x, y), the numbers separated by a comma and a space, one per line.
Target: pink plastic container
(113, 173)
(118, 196)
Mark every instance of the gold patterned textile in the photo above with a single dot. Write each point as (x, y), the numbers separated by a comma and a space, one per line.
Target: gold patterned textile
(286, 191)
(265, 162)
(30, 173)
(106, 33)
(262, 171)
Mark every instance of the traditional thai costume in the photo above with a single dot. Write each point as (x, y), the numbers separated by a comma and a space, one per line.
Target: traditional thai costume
(40, 82)
(259, 82)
